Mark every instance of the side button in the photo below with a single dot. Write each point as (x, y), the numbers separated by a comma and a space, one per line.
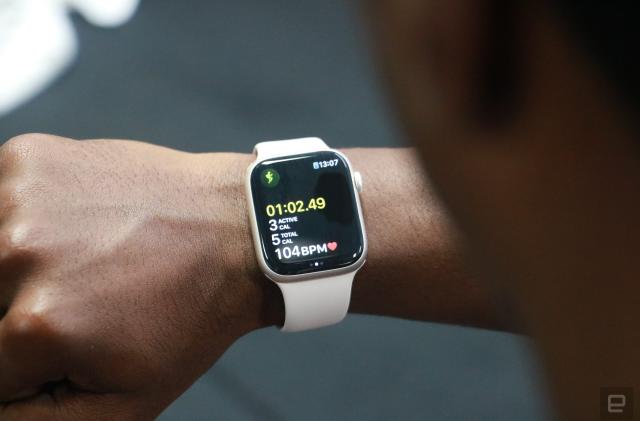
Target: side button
(357, 181)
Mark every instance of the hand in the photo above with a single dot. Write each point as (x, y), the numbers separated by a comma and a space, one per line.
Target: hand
(126, 270)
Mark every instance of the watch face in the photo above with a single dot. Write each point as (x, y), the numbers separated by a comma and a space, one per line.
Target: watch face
(307, 213)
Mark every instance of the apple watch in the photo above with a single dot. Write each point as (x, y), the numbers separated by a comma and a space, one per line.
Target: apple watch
(307, 226)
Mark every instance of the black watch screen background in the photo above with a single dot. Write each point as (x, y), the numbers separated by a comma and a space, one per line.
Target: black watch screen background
(307, 213)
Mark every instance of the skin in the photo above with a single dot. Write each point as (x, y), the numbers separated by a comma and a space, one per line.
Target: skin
(121, 273)
(126, 269)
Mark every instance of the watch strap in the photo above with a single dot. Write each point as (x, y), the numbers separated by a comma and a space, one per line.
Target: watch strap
(278, 148)
(316, 303)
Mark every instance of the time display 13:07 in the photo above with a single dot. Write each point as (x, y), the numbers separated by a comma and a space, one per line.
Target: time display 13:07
(297, 206)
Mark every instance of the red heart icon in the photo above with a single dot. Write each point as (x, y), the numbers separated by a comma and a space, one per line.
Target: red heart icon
(332, 246)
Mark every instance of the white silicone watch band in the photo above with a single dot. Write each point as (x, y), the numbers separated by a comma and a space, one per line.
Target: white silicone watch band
(276, 148)
(314, 303)
(317, 303)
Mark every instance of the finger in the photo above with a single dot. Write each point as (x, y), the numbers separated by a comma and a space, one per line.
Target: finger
(16, 260)
(72, 407)
(31, 353)
(14, 151)
(23, 149)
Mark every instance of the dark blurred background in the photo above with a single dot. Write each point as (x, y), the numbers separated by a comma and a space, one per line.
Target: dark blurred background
(203, 75)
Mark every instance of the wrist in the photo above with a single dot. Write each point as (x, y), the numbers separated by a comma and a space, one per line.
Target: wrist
(252, 301)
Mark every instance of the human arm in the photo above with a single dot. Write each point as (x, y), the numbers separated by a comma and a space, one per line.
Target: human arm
(415, 267)
(127, 269)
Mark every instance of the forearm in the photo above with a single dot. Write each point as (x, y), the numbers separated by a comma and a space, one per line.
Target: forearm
(414, 268)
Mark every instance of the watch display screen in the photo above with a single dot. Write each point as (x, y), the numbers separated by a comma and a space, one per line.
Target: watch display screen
(307, 213)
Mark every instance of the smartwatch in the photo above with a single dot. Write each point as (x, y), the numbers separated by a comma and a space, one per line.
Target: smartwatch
(307, 226)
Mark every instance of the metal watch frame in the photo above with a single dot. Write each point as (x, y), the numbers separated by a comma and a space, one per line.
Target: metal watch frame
(276, 277)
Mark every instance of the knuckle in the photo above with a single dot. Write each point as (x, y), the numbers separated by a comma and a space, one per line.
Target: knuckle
(25, 329)
(18, 244)
(25, 146)
(19, 145)
(15, 151)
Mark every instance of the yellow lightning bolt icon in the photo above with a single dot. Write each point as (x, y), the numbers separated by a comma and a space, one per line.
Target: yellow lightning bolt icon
(269, 177)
